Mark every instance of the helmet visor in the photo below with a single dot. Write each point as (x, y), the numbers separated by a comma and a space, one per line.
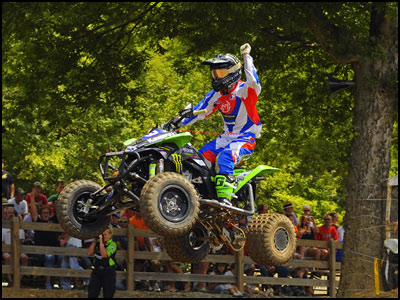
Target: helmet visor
(222, 73)
(219, 73)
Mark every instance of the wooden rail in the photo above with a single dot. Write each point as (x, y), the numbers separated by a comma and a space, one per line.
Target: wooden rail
(130, 255)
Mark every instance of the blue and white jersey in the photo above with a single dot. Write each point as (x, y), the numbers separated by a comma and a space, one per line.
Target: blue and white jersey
(238, 108)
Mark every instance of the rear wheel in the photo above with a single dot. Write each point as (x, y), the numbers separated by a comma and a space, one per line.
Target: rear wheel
(72, 207)
(190, 247)
(271, 239)
(169, 204)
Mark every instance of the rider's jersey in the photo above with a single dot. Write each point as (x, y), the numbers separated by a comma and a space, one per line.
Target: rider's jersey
(238, 108)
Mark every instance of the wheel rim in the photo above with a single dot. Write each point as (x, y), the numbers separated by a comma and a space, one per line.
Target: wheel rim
(281, 239)
(174, 203)
(80, 209)
(194, 236)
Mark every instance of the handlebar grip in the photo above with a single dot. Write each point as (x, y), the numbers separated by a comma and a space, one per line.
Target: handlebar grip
(199, 112)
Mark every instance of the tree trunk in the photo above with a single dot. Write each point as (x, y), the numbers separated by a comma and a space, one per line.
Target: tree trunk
(374, 114)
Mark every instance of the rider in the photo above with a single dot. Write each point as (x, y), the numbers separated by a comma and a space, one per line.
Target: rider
(236, 100)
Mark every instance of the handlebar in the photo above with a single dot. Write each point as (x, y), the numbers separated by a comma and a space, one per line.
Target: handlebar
(174, 123)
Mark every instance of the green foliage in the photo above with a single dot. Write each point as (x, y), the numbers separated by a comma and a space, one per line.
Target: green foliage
(81, 78)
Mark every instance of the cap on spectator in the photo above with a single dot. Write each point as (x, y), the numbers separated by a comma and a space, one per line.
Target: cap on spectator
(287, 205)
(37, 183)
(307, 207)
(19, 191)
(4, 202)
(116, 214)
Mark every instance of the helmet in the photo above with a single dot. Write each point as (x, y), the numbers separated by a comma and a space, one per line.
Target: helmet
(225, 71)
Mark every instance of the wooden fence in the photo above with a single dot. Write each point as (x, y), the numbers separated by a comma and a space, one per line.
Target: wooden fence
(130, 255)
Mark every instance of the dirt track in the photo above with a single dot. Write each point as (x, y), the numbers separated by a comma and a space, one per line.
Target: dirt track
(40, 293)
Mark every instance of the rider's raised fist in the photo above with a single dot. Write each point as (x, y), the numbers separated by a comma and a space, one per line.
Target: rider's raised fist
(245, 49)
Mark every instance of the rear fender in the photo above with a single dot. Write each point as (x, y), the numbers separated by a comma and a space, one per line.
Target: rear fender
(245, 177)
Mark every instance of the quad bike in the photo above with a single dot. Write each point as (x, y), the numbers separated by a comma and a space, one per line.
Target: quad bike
(165, 178)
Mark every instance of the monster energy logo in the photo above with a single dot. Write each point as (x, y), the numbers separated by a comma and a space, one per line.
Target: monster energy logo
(178, 162)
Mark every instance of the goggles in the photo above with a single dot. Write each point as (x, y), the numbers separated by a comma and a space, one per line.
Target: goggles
(222, 73)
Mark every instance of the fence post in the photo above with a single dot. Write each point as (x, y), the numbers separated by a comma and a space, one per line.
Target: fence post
(332, 268)
(239, 257)
(131, 262)
(15, 252)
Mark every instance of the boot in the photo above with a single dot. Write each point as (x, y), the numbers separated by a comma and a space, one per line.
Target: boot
(224, 188)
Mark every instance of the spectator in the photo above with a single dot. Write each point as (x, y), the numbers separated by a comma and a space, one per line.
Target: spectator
(6, 239)
(130, 212)
(305, 232)
(122, 240)
(326, 232)
(200, 268)
(20, 205)
(262, 209)
(270, 271)
(143, 243)
(40, 199)
(307, 212)
(7, 183)
(4, 206)
(115, 221)
(288, 208)
(45, 238)
(59, 187)
(175, 268)
(335, 219)
(104, 273)
(223, 288)
(70, 261)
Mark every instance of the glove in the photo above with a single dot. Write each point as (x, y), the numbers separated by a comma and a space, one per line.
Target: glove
(245, 49)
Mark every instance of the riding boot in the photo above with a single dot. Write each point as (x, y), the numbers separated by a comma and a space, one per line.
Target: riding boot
(224, 188)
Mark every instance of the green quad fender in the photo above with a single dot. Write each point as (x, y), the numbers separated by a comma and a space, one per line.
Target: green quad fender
(243, 176)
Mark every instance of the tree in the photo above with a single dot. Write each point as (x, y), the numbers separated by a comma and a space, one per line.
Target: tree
(361, 37)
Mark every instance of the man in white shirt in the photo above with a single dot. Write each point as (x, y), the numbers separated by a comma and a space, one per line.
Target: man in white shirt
(6, 240)
(20, 205)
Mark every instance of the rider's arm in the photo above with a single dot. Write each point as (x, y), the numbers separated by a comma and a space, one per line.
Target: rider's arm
(251, 74)
(206, 103)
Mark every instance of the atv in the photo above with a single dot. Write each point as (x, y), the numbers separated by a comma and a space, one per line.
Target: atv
(165, 178)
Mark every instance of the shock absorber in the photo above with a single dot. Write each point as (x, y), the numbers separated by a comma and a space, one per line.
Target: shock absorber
(160, 166)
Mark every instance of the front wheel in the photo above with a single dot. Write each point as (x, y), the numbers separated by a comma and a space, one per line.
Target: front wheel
(72, 206)
(169, 204)
(271, 239)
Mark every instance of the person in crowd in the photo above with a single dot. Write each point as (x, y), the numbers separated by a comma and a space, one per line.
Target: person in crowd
(40, 199)
(143, 243)
(176, 268)
(223, 288)
(6, 240)
(59, 188)
(45, 238)
(70, 261)
(130, 212)
(262, 209)
(307, 212)
(305, 232)
(4, 206)
(325, 233)
(335, 219)
(200, 268)
(20, 205)
(115, 221)
(288, 208)
(104, 274)
(7, 183)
